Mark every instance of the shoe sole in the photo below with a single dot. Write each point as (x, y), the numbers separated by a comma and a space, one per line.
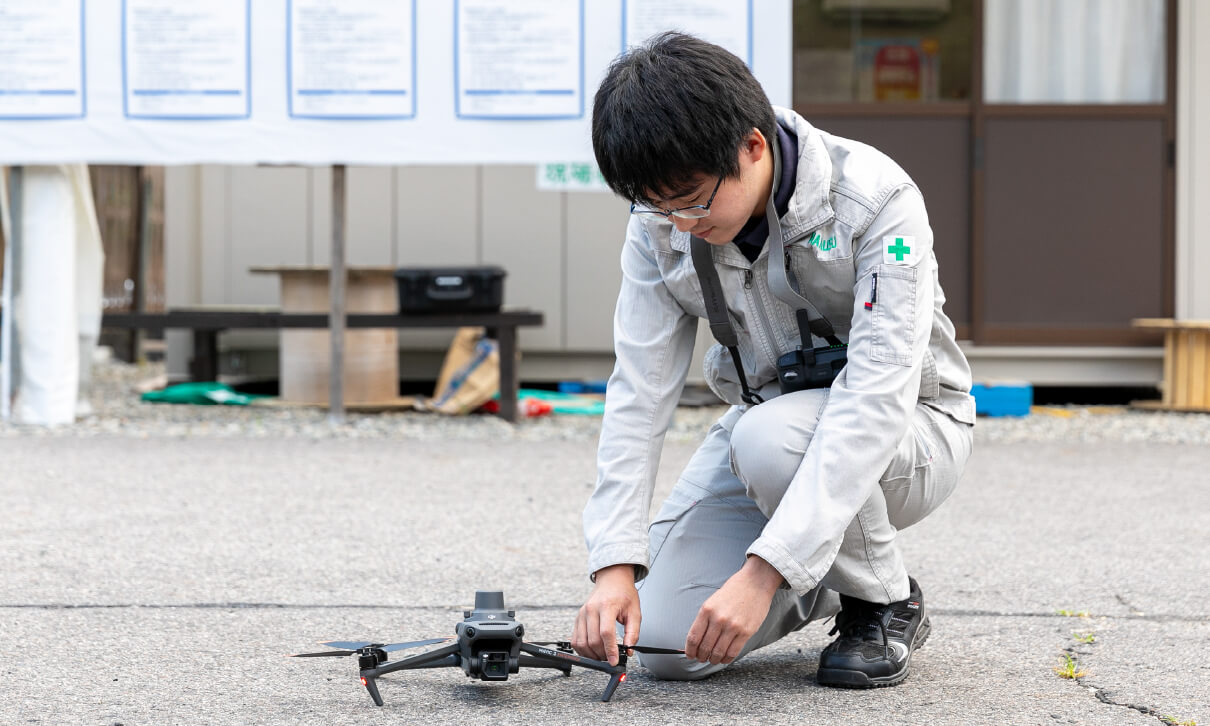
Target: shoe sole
(838, 678)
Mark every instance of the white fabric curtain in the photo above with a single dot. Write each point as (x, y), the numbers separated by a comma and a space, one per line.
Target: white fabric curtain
(6, 302)
(55, 307)
(1074, 51)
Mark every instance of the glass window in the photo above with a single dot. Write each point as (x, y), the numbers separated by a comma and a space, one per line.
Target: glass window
(1074, 51)
(848, 51)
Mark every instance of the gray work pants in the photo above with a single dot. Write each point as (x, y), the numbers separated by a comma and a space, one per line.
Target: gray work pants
(733, 484)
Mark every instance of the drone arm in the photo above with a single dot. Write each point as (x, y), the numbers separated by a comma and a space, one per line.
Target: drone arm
(559, 659)
(526, 661)
(617, 673)
(444, 656)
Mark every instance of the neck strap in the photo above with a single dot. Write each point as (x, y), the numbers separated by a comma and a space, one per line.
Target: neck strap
(779, 282)
(716, 311)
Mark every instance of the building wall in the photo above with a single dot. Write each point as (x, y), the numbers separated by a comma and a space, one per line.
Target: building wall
(561, 249)
(1193, 162)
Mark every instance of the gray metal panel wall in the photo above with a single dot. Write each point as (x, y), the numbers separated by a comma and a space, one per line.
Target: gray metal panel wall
(523, 232)
(214, 220)
(596, 229)
(435, 220)
(436, 216)
(561, 250)
(369, 211)
(266, 228)
(182, 254)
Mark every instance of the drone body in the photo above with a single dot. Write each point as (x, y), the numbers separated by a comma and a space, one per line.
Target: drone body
(489, 639)
(489, 647)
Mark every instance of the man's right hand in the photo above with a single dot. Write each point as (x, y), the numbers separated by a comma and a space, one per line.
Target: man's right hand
(614, 599)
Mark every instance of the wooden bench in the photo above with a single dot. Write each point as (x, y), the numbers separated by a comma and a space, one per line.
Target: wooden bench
(1186, 384)
(207, 323)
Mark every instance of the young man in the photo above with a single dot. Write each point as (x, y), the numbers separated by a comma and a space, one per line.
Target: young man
(796, 500)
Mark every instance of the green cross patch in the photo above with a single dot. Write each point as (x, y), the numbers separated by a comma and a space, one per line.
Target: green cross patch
(899, 251)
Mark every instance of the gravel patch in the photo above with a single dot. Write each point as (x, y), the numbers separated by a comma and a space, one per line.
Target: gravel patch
(118, 411)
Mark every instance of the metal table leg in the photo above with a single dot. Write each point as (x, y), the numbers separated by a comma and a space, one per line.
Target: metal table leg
(507, 337)
(204, 365)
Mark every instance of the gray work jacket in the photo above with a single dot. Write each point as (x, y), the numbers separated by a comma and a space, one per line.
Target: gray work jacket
(855, 216)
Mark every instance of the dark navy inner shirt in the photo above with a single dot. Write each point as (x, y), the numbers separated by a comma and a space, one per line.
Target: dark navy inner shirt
(752, 237)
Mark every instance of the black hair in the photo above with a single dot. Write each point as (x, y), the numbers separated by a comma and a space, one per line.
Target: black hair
(673, 109)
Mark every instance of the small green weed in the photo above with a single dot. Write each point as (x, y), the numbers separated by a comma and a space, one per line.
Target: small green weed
(1069, 669)
(1073, 613)
(1171, 721)
(1085, 637)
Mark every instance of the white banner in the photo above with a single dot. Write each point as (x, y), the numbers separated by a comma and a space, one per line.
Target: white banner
(336, 81)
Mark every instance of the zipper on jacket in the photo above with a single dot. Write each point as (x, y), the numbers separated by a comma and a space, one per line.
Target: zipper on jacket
(763, 319)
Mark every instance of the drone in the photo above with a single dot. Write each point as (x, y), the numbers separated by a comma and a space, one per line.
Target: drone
(489, 647)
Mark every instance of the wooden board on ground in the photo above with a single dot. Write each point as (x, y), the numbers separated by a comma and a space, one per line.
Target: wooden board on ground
(1161, 406)
(371, 356)
(402, 403)
(1186, 363)
(1169, 324)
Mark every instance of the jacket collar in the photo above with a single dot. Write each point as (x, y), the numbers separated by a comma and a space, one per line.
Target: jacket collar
(809, 207)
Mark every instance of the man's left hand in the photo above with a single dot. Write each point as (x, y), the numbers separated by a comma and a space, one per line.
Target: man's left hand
(729, 618)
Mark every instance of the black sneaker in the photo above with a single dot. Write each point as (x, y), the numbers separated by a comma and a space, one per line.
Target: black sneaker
(876, 642)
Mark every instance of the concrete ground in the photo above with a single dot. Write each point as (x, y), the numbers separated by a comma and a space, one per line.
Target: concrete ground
(161, 580)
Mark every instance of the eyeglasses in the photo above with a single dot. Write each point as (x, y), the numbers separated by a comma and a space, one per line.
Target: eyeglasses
(696, 211)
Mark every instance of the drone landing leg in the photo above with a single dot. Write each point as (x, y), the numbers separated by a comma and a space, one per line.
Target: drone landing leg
(446, 655)
(372, 687)
(547, 658)
(614, 682)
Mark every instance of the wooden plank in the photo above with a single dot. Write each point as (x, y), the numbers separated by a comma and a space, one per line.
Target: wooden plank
(1197, 368)
(400, 403)
(370, 363)
(1170, 368)
(1169, 324)
(1161, 406)
(153, 276)
(115, 192)
(1180, 372)
(1190, 341)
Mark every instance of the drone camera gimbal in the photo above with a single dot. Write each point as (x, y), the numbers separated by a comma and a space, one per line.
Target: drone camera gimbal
(489, 639)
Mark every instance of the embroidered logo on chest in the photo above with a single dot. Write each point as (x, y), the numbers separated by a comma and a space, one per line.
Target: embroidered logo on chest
(823, 245)
(899, 251)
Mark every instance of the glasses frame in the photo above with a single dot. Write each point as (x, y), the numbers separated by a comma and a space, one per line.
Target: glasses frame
(680, 212)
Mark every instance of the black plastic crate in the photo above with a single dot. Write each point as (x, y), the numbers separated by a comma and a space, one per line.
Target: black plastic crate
(450, 289)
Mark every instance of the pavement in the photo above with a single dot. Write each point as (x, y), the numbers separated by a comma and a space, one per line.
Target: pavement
(161, 580)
